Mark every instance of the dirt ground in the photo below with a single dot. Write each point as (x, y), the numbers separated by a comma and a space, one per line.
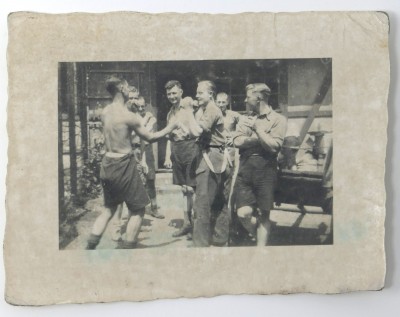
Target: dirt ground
(290, 226)
(154, 232)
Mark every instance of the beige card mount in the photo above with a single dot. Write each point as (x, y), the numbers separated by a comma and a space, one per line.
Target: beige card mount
(329, 76)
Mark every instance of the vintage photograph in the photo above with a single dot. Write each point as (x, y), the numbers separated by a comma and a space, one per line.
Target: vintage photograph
(191, 155)
(223, 153)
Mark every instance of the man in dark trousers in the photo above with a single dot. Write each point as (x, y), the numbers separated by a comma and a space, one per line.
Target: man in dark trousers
(259, 137)
(120, 177)
(211, 217)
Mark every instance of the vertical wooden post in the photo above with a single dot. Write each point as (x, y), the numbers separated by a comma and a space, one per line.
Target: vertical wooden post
(152, 100)
(283, 81)
(71, 76)
(83, 110)
(61, 95)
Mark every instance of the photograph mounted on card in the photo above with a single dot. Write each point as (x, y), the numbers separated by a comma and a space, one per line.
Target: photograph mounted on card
(195, 149)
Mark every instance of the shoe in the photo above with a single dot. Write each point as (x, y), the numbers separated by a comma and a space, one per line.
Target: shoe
(116, 235)
(182, 231)
(189, 236)
(217, 241)
(145, 229)
(157, 215)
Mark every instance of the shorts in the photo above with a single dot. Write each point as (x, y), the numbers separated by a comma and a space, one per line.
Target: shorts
(184, 156)
(256, 182)
(122, 183)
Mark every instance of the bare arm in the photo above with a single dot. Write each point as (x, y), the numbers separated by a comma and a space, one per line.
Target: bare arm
(154, 136)
(167, 161)
(150, 125)
(142, 132)
(144, 163)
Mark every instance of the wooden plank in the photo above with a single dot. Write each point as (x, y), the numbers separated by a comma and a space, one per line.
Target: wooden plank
(307, 124)
(72, 101)
(295, 208)
(323, 90)
(83, 110)
(151, 74)
(61, 91)
(304, 114)
(114, 71)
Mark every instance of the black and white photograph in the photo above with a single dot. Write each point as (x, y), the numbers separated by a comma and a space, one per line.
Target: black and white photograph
(189, 157)
(195, 153)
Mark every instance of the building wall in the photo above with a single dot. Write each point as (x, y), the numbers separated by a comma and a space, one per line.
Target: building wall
(138, 74)
(304, 81)
(294, 83)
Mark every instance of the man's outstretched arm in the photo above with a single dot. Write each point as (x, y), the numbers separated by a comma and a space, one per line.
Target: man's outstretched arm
(150, 137)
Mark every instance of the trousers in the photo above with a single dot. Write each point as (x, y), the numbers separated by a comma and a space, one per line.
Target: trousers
(211, 214)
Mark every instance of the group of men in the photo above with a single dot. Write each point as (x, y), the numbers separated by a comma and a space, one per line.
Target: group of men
(203, 138)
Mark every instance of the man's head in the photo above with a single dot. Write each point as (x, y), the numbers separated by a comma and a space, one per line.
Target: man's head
(205, 92)
(174, 91)
(133, 96)
(141, 106)
(255, 94)
(116, 84)
(223, 101)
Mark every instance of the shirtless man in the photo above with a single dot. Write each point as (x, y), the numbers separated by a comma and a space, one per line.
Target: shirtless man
(120, 218)
(120, 178)
(231, 118)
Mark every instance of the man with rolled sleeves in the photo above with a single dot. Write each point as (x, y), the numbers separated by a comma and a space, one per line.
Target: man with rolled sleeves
(211, 217)
(182, 150)
(259, 137)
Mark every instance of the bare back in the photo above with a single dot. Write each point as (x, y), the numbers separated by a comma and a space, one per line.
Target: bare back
(118, 124)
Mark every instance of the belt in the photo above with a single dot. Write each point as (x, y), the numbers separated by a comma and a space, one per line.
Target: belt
(222, 147)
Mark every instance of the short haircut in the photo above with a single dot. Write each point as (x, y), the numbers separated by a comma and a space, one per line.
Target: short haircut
(172, 83)
(224, 94)
(133, 89)
(112, 83)
(210, 86)
(262, 89)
